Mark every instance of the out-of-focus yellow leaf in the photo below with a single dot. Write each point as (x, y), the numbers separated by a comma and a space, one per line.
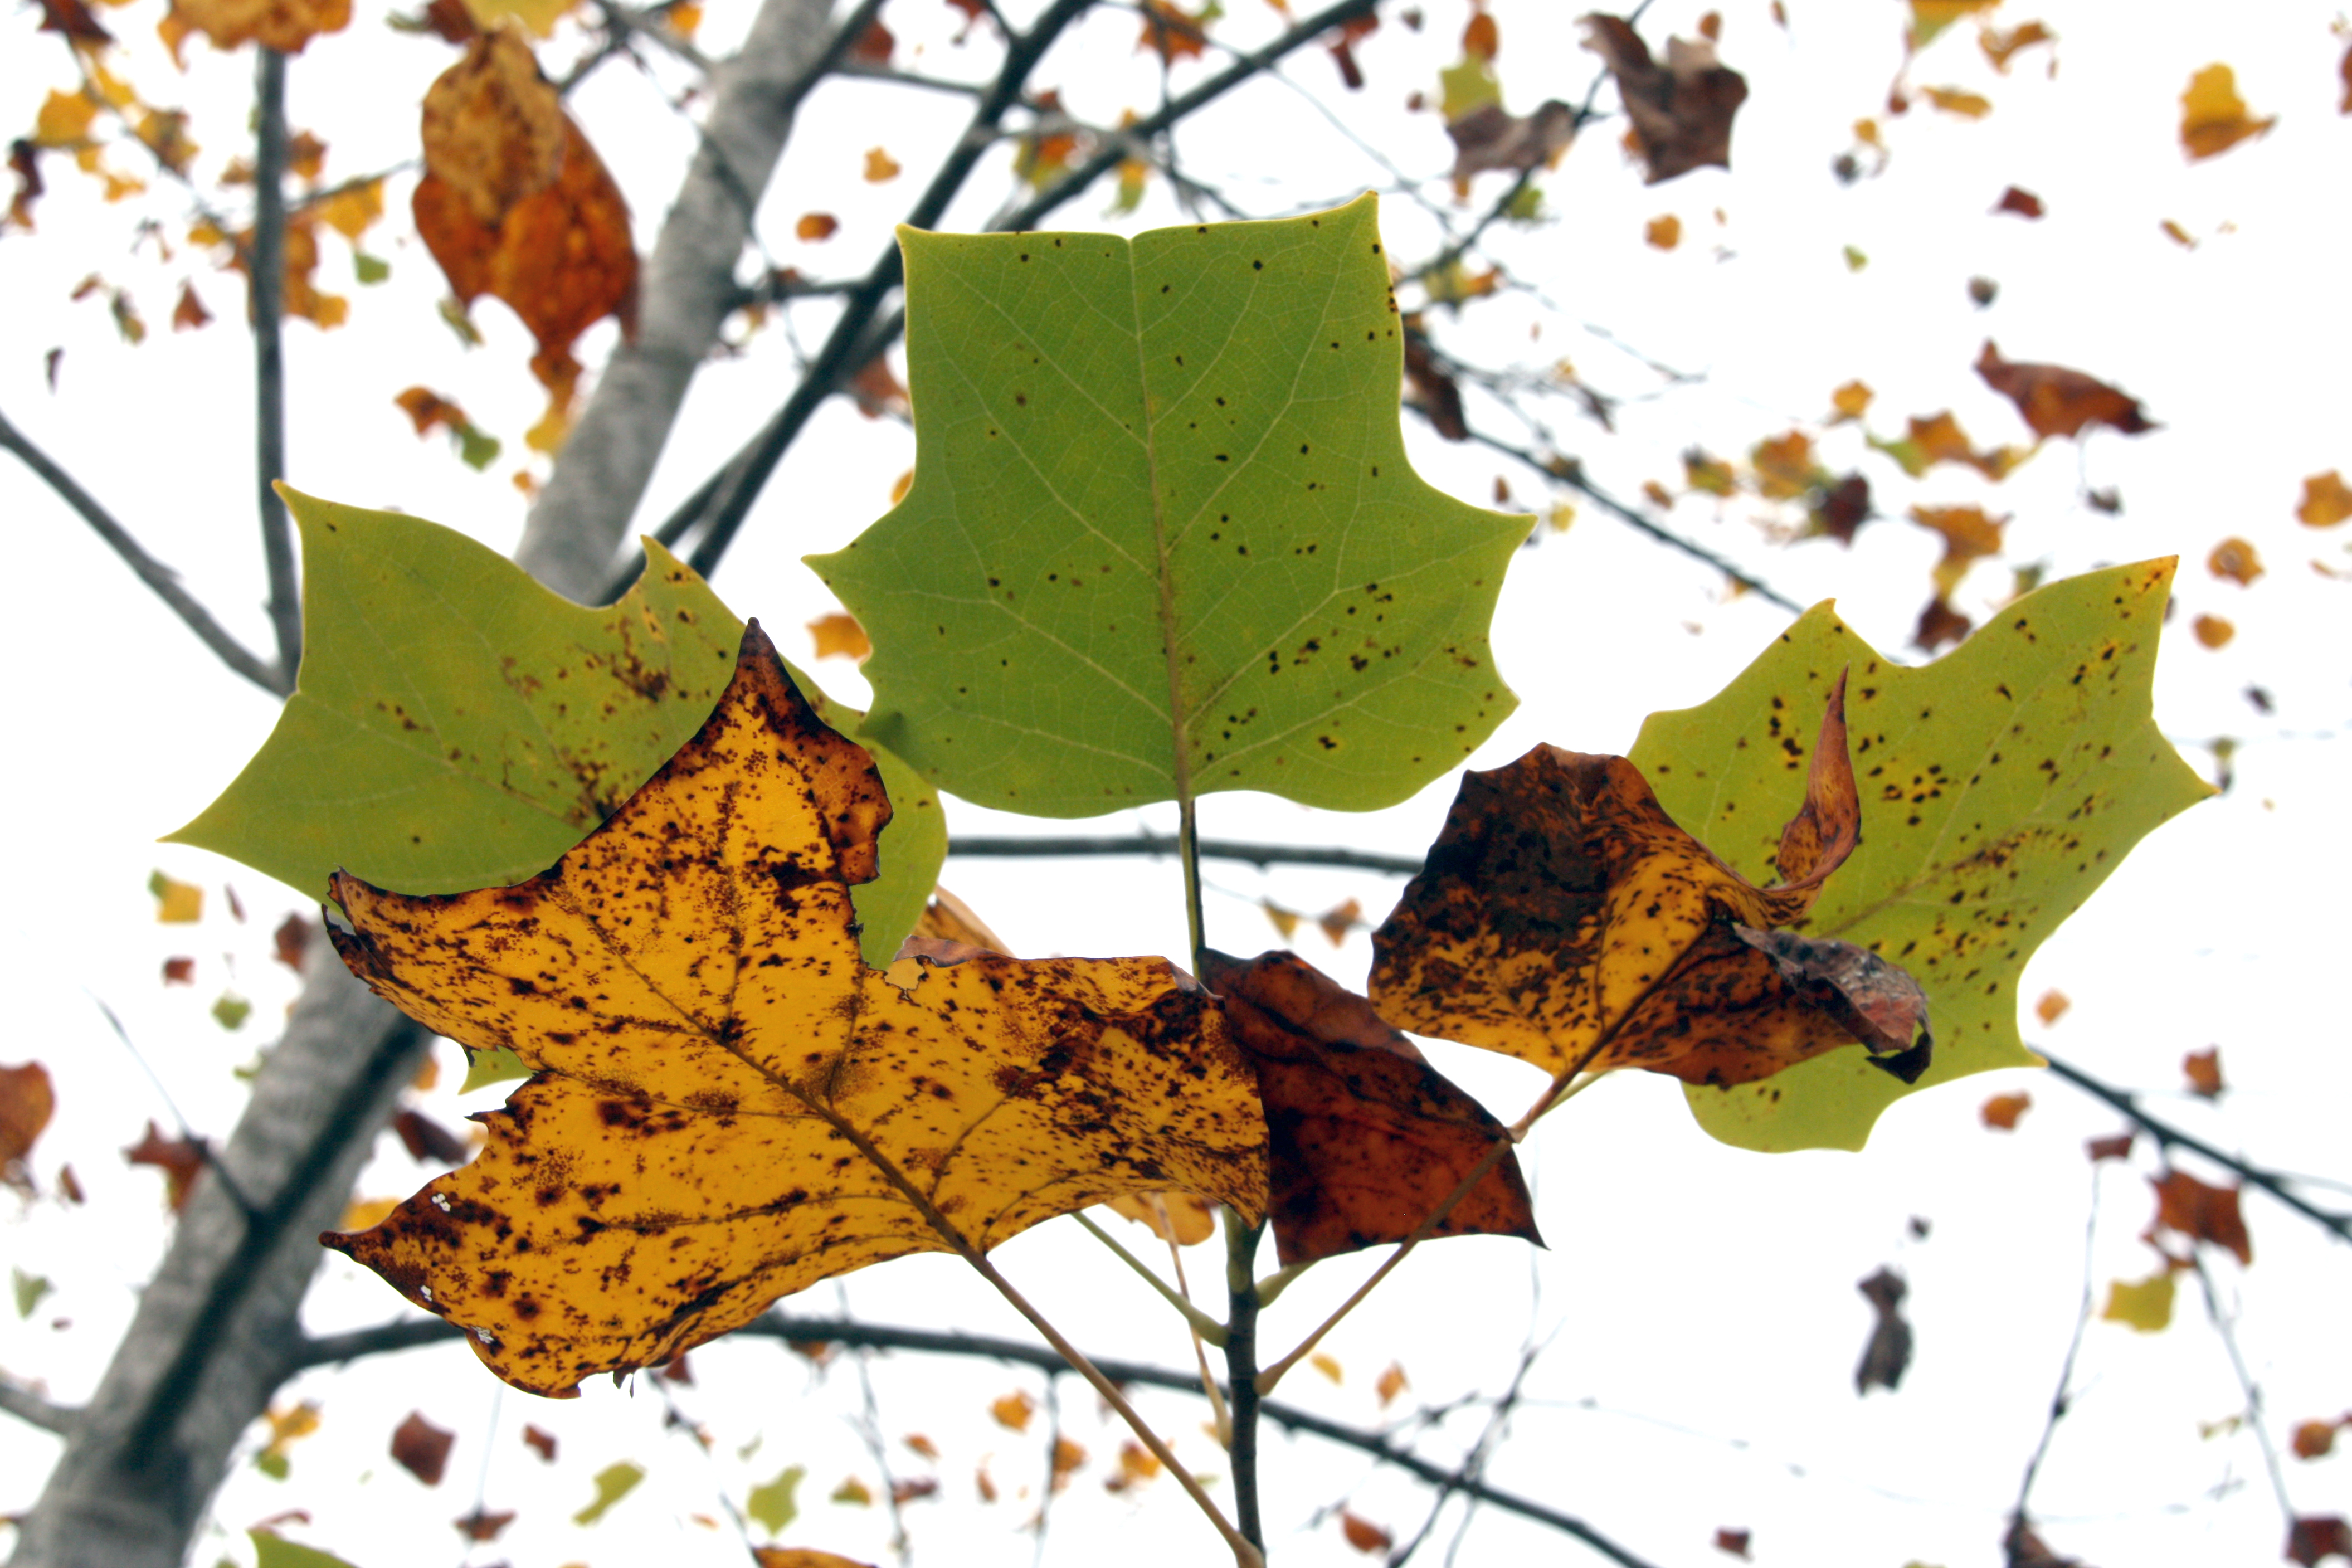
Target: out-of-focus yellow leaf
(2213, 631)
(1013, 1411)
(1851, 401)
(2214, 118)
(2051, 1007)
(838, 636)
(2144, 1305)
(2326, 500)
(285, 25)
(2001, 1112)
(1930, 17)
(2235, 559)
(1663, 233)
(539, 15)
(176, 903)
(1328, 1366)
(1955, 100)
(64, 119)
(880, 167)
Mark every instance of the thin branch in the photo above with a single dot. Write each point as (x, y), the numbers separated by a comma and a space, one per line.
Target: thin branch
(1203, 1325)
(2223, 1326)
(1152, 844)
(1474, 1463)
(2062, 1397)
(411, 1333)
(160, 578)
(34, 1410)
(266, 275)
(2170, 1137)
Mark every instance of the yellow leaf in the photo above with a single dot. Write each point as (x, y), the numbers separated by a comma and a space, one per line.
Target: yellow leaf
(1328, 1366)
(283, 25)
(1285, 920)
(1013, 1411)
(730, 1106)
(2177, 235)
(2326, 501)
(1663, 233)
(1784, 466)
(1562, 517)
(2213, 631)
(1180, 1217)
(838, 635)
(2214, 118)
(2051, 1007)
(2002, 1110)
(64, 119)
(900, 486)
(1953, 100)
(176, 903)
(361, 1214)
(2236, 560)
(879, 166)
(1392, 1383)
(1852, 400)
(539, 15)
(2145, 1305)
(1929, 17)
(804, 1556)
(351, 211)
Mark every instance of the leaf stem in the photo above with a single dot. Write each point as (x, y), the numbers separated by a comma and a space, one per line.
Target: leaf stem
(1188, 834)
(1218, 1414)
(1203, 1325)
(1241, 1369)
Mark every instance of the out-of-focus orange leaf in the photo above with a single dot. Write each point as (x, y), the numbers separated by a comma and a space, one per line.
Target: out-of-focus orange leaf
(483, 1525)
(1490, 137)
(838, 636)
(2212, 631)
(28, 1100)
(1563, 918)
(362, 1213)
(1184, 1218)
(1365, 1138)
(880, 167)
(1733, 1543)
(1363, 1534)
(2055, 401)
(2000, 46)
(1887, 1353)
(1681, 108)
(900, 486)
(2315, 1440)
(1481, 38)
(1339, 920)
(1068, 1458)
(181, 1161)
(1663, 233)
(190, 313)
(2203, 1070)
(1013, 1411)
(2235, 559)
(2312, 1538)
(2326, 500)
(2002, 1110)
(805, 1556)
(2185, 1205)
(2118, 1147)
(1969, 535)
(2214, 118)
(2177, 235)
(1938, 439)
(285, 25)
(422, 1448)
(815, 226)
(2051, 1007)
(353, 210)
(1955, 100)
(1136, 1467)
(1391, 1382)
(877, 389)
(875, 45)
(2023, 202)
(540, 1442)
(1785, 467)
(1172, 32)
(1852, 401)
(916, 1443)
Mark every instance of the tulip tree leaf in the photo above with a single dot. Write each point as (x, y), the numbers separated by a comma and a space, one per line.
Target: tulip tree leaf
(728, 1104)
(1999, 786)
(1163, 536)
(458, 725)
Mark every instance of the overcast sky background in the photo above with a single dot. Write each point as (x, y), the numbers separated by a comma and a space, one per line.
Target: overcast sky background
(1696, 1304)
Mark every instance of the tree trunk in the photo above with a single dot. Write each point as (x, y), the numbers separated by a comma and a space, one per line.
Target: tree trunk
(573, 537)
(215, 1328)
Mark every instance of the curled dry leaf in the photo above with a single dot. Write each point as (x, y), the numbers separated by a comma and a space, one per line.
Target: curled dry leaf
(2190, 1207)
(1489, 137)
(1364, 1137)
(2056, 401)
(729, 1104)
(285, 25)
(484, 1525)
(2117, 1147)
(1563, 918)
(1681, 108)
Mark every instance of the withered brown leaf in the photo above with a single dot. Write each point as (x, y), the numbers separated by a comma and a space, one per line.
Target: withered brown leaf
(1681, 108)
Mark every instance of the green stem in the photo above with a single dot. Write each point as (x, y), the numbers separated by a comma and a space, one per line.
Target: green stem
(1207, 1327)
(1187, 849)
(1240, 1371)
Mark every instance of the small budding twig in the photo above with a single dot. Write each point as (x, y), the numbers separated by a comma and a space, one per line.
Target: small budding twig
(1203, 1325)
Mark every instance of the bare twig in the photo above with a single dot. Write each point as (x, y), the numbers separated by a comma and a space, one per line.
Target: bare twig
(2062, 1397)
(1152, 844)
(34, 1410)
(160, 578)
(2170, 1137)
(2225, 1326)
(1474, 1463)
(266, 273)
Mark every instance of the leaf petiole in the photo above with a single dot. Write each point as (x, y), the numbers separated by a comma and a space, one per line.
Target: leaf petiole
(1207, 1327)
(1275, 1283)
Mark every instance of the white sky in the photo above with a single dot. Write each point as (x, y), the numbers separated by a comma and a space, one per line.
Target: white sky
(1698, 1302)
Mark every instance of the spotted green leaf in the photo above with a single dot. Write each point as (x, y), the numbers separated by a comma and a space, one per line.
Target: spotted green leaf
(457, 725)
(1999, 786)
(1163, 537)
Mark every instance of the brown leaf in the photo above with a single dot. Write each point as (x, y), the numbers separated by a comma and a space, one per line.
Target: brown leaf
(1364, 1137)
(1663, 233)
(2203, 1069)
(1363, 1534)
(803, 1556)
(28, 1100)
(481, 1525)
(69, 1186)
(72, 19)
(2118, 1147)
(427, 1140)
(2055, 401)
(190, 313)
(2000, 1113)
(23, 162)
(2051, 1006)
(1339, 920)
(2314, 1440)
(1939, 623)
(875, 45)
(1843, 507)
(1732, 1541)
(2237, 560)
(1564, 918)
(2191, 1208)
(876, 389)
(1888, 1352)
(913, 1489)
(2314, 1538)
(1969, 533)
(179, 972)
(1343, 41)
(1172, 32)
(1682, 108)
(2024, 203)
(1391, 1382)
(285, 26)
(422, 1448)
(181, 1160)
(1441, 394)
(1488, 137)
(1482, 38)
(2214, 118)
(540, 1442)
(290, 942)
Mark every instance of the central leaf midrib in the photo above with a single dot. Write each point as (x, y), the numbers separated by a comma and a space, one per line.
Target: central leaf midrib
(1165, 577)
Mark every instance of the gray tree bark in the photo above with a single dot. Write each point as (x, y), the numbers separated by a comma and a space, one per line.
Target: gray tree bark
(219, 1328)
(573, 539)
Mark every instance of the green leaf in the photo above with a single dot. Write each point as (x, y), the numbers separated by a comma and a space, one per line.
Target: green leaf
(1163, 533)
(459, 726)
(273, 1463)
(32, 1289)
(496, 1064)
(774, 1506)
(273, 1551)
(230, 1011)
(475, 449)
(1999, 786)
(370, 268)
(613, 1483)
